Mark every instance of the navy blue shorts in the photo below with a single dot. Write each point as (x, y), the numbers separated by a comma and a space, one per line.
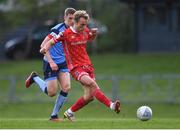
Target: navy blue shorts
(51, 75)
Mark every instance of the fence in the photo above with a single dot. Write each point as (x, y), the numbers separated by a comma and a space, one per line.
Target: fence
(144, 88)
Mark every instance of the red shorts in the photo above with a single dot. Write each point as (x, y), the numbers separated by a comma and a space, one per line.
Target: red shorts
(79, 71)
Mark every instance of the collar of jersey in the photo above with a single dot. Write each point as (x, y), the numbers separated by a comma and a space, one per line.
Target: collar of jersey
(73, 29)
(65, 25)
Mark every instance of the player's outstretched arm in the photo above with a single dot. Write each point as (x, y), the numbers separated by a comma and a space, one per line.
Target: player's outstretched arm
(51, 42)
(46, 39)
(93, 34)
(53, 65)
(47, 46)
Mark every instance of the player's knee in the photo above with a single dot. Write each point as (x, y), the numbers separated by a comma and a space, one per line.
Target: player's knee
(66, 88)
(88, 97)
(91, 98)
(92, 84)
(52, 92)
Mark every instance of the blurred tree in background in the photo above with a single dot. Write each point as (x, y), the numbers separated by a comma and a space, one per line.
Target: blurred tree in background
(112, 13)
(118, 19)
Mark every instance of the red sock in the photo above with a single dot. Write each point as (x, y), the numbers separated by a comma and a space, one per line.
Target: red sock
(78, 104)
(102, 97)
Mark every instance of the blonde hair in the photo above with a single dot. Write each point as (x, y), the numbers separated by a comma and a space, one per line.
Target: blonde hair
(80, 14)
(69, 11)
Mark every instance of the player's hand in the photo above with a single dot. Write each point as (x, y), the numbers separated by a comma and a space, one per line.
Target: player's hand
(94, 31)
(46, 47)
(53, 66)
(43, 50)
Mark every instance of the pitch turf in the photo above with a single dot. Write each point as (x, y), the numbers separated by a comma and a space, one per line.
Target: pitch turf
(30, 112)
(94, 115)
(101, 123)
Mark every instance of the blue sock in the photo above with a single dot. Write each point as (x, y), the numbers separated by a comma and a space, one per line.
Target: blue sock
(61, 98)
(41, 83)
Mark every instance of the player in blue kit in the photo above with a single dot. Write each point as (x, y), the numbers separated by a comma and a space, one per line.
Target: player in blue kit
(54, 67)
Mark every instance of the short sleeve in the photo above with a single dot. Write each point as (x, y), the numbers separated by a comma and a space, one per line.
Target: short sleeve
(59, 37)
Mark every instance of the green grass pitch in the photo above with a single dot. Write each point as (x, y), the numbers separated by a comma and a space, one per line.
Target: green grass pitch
(29, 113)
(94, 115)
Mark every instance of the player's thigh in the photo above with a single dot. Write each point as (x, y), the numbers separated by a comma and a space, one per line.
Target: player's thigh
(87, 81)
(64, 80)
(52, 86)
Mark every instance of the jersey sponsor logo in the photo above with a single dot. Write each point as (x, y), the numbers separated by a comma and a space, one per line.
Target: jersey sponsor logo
(80, 42)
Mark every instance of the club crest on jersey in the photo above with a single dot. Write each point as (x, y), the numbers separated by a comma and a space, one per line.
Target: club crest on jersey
(76, 73)
(72, 37)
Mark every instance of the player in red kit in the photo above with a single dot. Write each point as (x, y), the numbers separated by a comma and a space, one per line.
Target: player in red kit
(74, 41)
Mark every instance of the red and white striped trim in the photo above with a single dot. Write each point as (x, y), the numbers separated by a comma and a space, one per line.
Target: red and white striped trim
(55, 39)
(49, 36)
(81, 74)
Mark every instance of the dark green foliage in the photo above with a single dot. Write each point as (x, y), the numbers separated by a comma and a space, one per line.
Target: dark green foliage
(118, 19)
(115, 15)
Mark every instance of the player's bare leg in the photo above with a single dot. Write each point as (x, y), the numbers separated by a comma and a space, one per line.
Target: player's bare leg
(64, 80)
(52, 87)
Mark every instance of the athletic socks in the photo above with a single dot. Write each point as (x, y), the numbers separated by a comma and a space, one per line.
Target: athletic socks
(41, 83)
(100, 96)
(61, 98)
(78, 104)
(112, 106)
(70, 111)
(104, 99)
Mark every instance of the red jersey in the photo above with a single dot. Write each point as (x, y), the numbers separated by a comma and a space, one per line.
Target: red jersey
(75, 47)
